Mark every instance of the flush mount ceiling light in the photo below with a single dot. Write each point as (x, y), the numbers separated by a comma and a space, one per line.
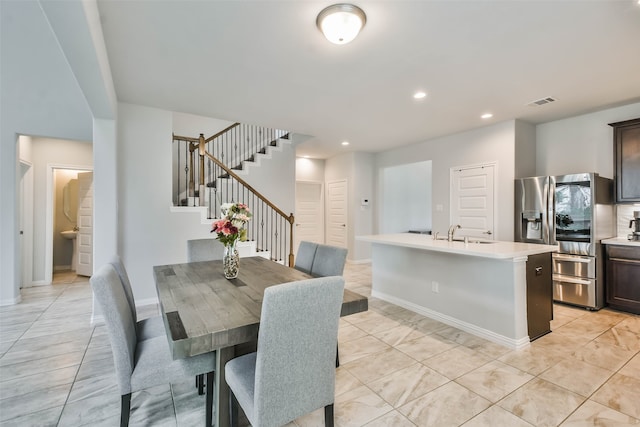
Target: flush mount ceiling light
(345, 142)
(341, 23)
(419, 95)
(486, 116)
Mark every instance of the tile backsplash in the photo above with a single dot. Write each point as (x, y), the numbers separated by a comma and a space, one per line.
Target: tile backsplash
(625, 214)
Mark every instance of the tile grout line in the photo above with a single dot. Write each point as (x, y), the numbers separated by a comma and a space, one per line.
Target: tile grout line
(93, 329)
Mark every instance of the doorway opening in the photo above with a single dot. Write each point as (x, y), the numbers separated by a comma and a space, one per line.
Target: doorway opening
(406, 198)
(64, 228)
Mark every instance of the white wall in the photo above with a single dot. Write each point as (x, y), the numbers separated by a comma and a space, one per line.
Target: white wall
(357, 169)
(580, 144)
(405, 198)
(149, 233)
(275, 178)
(310, 169)
(191, 125)
(36, 100)
(494, 143)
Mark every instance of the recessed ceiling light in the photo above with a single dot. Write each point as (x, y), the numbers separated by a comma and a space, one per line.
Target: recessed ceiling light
(419, 95)
(306, 157)
(345, 142)
(486, 116)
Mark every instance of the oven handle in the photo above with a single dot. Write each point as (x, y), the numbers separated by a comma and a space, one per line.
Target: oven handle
(570, 280)
(625, 260)
(572, 259)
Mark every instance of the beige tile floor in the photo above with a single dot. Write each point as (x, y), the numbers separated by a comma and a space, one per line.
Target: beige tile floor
(398, 369)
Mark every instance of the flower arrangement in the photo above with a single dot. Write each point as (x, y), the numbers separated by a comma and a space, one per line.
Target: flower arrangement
(231, 226)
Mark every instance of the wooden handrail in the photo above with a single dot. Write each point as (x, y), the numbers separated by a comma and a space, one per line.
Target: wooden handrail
(184, 138)
(221, 132)
(290, 218)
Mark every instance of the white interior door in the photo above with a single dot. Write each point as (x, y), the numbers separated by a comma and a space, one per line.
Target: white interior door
(337, 225)
(472, 201)
(309, 213)
(84, 241)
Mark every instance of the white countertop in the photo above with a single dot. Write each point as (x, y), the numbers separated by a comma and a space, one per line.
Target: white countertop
(497, 249)
(620, 241)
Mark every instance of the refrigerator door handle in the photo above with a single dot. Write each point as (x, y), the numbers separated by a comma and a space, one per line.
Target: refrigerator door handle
(551, 207)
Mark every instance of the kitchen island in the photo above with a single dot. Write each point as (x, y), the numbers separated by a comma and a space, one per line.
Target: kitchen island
(479, 287)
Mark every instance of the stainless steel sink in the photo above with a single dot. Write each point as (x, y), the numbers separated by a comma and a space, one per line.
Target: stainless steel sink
(471, 241)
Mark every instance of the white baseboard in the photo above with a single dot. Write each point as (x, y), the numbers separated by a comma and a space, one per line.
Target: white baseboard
(96, 319)
(61, 267)
(12, 301)
(515, 344)
(37, 283)
(359, 261)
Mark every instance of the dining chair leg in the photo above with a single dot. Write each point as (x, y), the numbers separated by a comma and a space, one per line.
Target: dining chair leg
(200, 384)
(125, 408)
(209, 406)
(328, 416)
(337, 357)
(233, 410)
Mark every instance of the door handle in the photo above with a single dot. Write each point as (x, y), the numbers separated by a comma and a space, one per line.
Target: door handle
(487, 232)
(344, 225)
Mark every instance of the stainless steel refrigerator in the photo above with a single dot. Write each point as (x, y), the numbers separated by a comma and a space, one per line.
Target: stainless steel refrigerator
(574, 212)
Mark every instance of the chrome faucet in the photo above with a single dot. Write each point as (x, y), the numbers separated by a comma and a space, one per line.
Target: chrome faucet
(451, 232)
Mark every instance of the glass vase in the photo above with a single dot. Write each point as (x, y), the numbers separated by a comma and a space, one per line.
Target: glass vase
(231, 261)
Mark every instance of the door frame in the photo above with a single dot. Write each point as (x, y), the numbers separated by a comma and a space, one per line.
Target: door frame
(493, 164)
(26, 224)
(48, 228)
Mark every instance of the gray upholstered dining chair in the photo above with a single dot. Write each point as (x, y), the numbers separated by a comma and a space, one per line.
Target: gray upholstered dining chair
(146, 328)
(304, 257)
(142, 364)
(328, 261)
(293, 372)
(204, 250)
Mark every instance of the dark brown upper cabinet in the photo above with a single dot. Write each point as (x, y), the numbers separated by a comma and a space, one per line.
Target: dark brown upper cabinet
(626, 143)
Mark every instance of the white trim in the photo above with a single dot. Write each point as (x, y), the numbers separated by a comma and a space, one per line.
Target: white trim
(26, 250)
(48, 228)
(359, 261)
(38, 283)
(202, 210)
(96, 319)
(13, 301)
(514, 344)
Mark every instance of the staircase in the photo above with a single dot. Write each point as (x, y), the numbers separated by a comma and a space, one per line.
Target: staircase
(206, 173)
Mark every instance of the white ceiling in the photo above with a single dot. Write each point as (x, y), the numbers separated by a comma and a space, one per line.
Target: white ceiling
(265, 62)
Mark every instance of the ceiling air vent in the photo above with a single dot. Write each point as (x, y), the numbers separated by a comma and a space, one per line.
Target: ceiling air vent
(542, 101)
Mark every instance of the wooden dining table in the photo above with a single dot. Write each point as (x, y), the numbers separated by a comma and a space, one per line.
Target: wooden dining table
(204, 312)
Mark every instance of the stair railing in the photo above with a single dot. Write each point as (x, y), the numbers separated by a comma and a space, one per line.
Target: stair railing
(217, 183)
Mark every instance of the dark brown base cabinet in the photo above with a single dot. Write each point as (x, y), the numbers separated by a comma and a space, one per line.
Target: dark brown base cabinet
(539, 295)
(623, 278)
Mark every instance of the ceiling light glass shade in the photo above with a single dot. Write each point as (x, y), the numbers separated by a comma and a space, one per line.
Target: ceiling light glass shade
(341, 23)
